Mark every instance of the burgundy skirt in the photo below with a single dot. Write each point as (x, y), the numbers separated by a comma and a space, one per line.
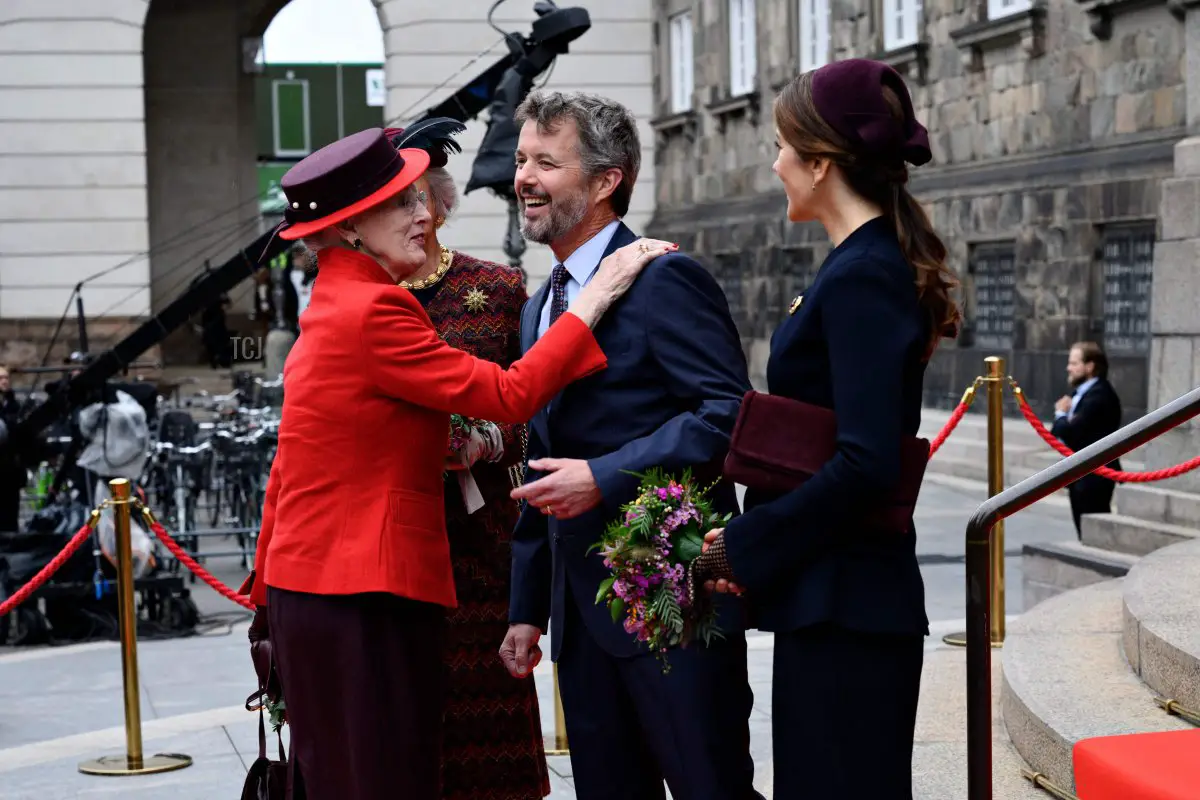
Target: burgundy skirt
(362, 678)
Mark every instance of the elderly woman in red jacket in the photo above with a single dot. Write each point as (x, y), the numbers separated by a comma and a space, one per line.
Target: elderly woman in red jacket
(353, 563)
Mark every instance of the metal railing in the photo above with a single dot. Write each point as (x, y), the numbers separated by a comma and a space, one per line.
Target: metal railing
(979, 543)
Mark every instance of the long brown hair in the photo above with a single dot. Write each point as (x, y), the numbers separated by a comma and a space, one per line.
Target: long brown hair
(883, 182)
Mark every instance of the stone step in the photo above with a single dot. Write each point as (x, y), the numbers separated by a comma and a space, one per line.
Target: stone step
(1050, 568)
(1162, 631)
(974, 426)
(1122, 533)
(940, 751)
(975, 469)
(1017, 434)
(976, 449)
(1066, 679)
(1156, 503)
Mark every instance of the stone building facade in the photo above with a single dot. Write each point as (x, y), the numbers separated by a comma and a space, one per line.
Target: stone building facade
(1052, 127)
(128, 144)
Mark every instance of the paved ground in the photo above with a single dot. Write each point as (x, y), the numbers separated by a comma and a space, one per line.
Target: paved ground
(61, 705)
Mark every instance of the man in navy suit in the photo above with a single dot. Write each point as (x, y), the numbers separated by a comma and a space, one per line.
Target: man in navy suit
(1083, 418)
(669, 398)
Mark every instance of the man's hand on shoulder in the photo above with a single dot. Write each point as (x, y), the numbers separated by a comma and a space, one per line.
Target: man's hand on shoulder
(568, 489)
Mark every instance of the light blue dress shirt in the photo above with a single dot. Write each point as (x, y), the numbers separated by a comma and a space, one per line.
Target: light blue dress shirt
(1080, 392)
(581, 266)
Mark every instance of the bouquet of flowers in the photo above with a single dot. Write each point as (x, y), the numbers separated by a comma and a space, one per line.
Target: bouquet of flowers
(460, 434)
(649, 550)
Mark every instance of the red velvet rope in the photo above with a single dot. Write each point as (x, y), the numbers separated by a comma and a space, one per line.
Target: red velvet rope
(86, 531)
(1104, 472)
(55, 564)
(955, 417)
(948, 429)
(191, 564)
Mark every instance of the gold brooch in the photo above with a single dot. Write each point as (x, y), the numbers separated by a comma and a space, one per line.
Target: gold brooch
(476, 300)
(796, 304)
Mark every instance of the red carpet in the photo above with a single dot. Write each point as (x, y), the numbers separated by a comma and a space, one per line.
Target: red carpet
(1140, 766)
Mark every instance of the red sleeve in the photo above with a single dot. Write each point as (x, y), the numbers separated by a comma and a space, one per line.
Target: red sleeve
(515, 298)
(405, 358)
(258, 592)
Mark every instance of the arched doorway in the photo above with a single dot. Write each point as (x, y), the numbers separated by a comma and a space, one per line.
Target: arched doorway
(202, 144)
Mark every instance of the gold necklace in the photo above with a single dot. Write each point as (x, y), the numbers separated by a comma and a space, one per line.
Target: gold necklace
(430, 280)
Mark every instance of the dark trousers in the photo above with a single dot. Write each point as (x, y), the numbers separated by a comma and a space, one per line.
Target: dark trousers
(827, 743)
(361, 676)
(630, 727)
(1091, 494)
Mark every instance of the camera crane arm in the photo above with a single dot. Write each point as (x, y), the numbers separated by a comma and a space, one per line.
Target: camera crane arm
(552, 32)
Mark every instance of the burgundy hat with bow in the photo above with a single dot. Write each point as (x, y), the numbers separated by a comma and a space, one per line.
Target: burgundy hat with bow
(345, 178)
(849, 97)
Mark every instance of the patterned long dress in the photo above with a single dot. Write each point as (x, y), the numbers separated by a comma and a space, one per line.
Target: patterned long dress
(492, 744)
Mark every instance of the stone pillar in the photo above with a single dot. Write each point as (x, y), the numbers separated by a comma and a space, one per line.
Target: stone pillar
(1174, 323)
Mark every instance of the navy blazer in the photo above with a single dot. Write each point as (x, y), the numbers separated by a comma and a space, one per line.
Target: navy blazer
(856, 344)
(1097, 414)
(669, 398)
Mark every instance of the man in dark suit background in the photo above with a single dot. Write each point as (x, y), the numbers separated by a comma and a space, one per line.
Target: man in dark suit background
(669, 397)
(1085, 417)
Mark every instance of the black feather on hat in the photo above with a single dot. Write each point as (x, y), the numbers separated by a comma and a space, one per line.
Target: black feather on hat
(433, 135)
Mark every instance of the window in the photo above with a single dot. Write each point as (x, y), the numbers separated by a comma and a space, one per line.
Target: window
(681, 62)
(1128, 269)
(901, 23)
(743, 63)
(289, 107)
(1003, 8)
(993, 267)
(814, 34)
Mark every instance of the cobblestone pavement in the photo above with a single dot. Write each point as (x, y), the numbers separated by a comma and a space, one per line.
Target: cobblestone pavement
(62, 705)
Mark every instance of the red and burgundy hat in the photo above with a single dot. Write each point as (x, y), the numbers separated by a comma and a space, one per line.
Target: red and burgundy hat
(345, 178)
(848, 95)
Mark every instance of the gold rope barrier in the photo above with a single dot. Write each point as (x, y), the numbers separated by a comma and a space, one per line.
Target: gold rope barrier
(1173, 708)
(133, 762)
(561, 748)
(1042, 782)
(995, 455)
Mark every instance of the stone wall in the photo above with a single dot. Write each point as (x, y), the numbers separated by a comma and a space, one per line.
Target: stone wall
(1048, 142)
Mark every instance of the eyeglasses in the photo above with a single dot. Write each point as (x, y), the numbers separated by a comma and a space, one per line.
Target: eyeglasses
(411, 200)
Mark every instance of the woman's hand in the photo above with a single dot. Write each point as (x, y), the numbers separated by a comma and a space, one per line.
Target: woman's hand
(614, 277)
(484, 444)
(715, 539)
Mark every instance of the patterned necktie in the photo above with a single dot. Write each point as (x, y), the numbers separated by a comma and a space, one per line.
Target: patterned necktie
(558, 291)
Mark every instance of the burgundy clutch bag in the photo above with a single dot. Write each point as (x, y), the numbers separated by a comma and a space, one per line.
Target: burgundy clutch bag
(779, 443)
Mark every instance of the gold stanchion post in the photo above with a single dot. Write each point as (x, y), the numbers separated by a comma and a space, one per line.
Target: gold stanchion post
(561, 748)
(133, 762)
(995, 433)
(995, 454)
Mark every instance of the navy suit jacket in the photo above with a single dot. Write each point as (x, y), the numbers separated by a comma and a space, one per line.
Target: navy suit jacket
(856, 345)
(669, 398)
(1097, 414)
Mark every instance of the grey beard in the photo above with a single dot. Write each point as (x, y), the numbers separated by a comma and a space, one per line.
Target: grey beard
(564, 215)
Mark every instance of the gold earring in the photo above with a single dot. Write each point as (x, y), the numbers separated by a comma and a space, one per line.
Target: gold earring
(439, 221)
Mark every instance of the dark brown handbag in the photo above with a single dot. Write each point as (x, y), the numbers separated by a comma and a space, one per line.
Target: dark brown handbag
(779, 443)
(266, 779)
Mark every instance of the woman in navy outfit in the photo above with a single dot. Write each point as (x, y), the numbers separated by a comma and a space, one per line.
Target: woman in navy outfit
(845, 597)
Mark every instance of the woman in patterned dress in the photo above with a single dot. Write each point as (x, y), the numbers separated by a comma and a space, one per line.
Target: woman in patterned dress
(492, 739)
